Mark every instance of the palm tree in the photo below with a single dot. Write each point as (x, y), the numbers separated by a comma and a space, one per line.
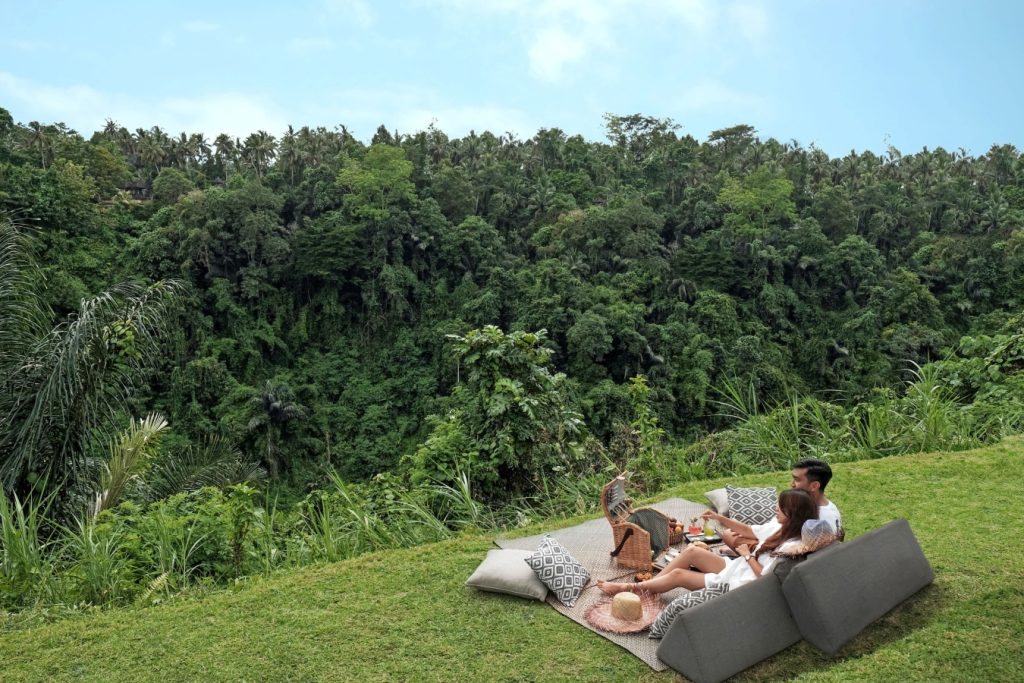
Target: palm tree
(153, 146)
(63, 387)
(258, 151)
(290, 157)
(40, 139)
(275, 407)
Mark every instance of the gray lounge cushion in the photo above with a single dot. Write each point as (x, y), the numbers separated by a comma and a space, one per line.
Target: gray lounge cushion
(713, 641)
(506, 571)
(753, 505)
(837, 592)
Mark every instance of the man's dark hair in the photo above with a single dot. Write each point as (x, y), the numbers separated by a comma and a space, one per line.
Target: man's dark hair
(817, 470)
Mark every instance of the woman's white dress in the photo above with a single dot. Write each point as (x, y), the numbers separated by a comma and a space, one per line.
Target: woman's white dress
(737, 571)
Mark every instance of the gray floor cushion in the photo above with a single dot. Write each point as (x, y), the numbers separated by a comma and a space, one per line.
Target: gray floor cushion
(833, 595)
(713, 641)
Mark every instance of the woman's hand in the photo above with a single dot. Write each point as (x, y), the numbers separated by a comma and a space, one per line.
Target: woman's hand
(748, 557)
(711, 514)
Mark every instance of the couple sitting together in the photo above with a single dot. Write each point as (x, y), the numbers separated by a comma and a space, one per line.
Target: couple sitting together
(804, 521)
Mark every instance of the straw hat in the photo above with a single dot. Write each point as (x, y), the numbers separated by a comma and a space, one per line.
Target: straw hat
(600, 614)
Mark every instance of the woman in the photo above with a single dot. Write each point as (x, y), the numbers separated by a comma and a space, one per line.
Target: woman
(795, 507)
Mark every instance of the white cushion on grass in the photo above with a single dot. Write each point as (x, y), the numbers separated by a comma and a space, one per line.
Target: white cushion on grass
(719, 500)
(506, 571)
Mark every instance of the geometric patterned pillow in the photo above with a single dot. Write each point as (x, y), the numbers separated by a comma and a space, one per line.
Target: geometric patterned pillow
(660, 626)
(559, 571)
(751, 506)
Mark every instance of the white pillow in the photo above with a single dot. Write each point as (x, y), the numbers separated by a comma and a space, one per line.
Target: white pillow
(719, 500)
(506, 571)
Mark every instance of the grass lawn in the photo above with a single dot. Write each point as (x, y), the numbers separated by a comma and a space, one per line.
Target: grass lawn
(405, 615)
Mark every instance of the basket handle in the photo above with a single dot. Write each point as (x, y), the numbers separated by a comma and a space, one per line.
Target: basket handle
(625, 537)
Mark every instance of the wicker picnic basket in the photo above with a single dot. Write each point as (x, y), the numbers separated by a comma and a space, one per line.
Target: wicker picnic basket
(633, 547)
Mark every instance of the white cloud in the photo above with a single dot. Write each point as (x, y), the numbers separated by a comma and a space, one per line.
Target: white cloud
(459, 120)
(563, 37)
(67, 103)
(85, 109)
(713, 95)
(358, 11)
(410, 109)
(30, 45)
(698, 15)
(750, 19)
(200, 26)
(552, 50)
(310, 44)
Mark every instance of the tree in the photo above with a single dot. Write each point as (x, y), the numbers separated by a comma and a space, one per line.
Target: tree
(170, 185)
(64, 387)
(275, 406)
(258, 151)
(512, 410)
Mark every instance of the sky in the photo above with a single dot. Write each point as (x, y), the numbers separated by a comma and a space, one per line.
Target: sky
(841, 74)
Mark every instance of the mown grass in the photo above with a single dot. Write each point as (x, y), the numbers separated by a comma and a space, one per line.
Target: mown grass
(405, 615)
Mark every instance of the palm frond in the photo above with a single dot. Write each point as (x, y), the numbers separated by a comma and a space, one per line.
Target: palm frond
(130, 455)
(213, 462)
(75, 380)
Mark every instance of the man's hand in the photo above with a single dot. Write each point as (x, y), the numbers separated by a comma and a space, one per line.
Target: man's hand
(711, 514)
(744, 550)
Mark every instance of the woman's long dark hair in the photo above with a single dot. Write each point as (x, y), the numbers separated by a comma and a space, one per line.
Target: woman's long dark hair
(798, 506)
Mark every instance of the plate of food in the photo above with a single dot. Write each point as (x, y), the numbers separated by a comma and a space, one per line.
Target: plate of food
(691, 538)
(643, 576)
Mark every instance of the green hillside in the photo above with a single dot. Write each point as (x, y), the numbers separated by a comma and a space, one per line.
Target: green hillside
(405, 615)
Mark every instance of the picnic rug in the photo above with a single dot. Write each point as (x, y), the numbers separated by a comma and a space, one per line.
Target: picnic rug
(590, 543)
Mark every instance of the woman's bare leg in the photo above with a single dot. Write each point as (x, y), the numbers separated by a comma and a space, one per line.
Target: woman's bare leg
(692, 556)
(664, 582)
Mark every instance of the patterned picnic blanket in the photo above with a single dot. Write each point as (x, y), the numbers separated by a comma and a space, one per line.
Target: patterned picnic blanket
(590, 543)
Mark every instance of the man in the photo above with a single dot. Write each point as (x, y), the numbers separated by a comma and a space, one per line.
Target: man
(809, 475)
(813, 476)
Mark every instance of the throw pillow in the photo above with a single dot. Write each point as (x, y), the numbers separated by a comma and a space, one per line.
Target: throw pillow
(661, 625)
(751, 506)
(505, 571)
(559, 571)
(719, 500)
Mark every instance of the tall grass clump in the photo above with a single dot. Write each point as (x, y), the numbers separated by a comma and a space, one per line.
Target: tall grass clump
(27, 554)
(933, 414)
(99, 569)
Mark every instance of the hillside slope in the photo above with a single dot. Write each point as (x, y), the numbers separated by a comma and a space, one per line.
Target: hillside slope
(405, 615)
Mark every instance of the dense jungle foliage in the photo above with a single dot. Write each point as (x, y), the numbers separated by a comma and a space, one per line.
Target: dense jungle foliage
(423, 325)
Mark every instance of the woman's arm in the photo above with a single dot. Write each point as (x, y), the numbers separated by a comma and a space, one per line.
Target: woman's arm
(748, 557)
(739, 527)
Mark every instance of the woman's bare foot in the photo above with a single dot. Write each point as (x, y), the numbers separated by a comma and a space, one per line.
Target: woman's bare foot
(612, 588)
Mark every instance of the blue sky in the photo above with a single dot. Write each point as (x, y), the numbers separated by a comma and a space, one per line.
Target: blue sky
(851, 74)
